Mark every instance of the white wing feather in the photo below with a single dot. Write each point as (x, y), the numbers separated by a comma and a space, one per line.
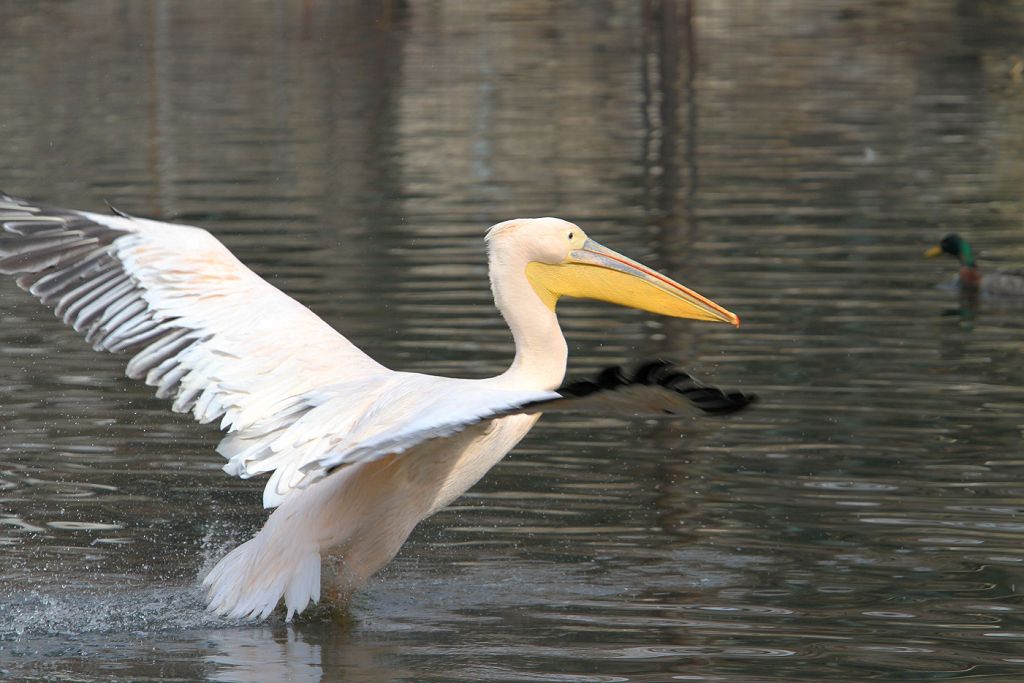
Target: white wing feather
(207, 331)
(354, 422)
(259, 347)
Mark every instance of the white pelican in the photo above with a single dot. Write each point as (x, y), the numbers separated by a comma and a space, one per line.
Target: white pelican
(357, 454)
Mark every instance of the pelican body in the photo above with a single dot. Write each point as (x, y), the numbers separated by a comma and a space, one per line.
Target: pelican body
(357, 454)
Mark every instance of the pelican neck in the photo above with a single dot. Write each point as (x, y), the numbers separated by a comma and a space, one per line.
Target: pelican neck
(541, 350)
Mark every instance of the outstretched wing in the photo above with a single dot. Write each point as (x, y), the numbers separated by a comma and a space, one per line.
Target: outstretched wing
(355, 422)
(658, 389)
(204, 329)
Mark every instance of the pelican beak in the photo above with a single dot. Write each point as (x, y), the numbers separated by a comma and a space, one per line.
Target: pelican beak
(932, 252)
(596, 272)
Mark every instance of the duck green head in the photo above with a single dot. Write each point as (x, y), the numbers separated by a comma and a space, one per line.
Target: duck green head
(954, 245)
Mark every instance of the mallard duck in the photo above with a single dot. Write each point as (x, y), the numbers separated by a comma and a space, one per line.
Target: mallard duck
(998, 283)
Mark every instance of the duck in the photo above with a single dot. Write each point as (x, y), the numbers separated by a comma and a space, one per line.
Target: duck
(1002, 283)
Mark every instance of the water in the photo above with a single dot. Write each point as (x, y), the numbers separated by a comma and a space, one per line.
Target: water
(789, 159)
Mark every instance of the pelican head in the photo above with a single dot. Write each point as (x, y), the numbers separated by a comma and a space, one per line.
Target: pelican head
(560, 260)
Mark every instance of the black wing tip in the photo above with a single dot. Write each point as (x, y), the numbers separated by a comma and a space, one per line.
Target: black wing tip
(726, 403)
(709, 399)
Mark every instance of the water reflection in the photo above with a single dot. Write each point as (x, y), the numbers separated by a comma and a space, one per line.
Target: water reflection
(264, 655)
(790, 159)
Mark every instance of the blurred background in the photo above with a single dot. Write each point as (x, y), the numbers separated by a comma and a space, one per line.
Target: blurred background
(789, 159)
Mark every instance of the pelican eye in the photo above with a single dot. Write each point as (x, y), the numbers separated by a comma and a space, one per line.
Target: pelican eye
(571, 234)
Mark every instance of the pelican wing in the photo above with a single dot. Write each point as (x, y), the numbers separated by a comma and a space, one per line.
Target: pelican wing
(445, 407)
(359, 421)
(204, 329)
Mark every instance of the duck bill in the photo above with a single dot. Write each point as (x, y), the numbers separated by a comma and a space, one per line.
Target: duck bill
(596, 272)
(932, 252)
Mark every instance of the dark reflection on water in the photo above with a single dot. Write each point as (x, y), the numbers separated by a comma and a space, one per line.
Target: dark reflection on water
(790, 159)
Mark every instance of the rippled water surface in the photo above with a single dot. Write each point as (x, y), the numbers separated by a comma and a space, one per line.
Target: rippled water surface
(789, 159)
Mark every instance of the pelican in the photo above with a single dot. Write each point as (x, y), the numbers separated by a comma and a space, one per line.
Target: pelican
(1008, 283)
(357, 454)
